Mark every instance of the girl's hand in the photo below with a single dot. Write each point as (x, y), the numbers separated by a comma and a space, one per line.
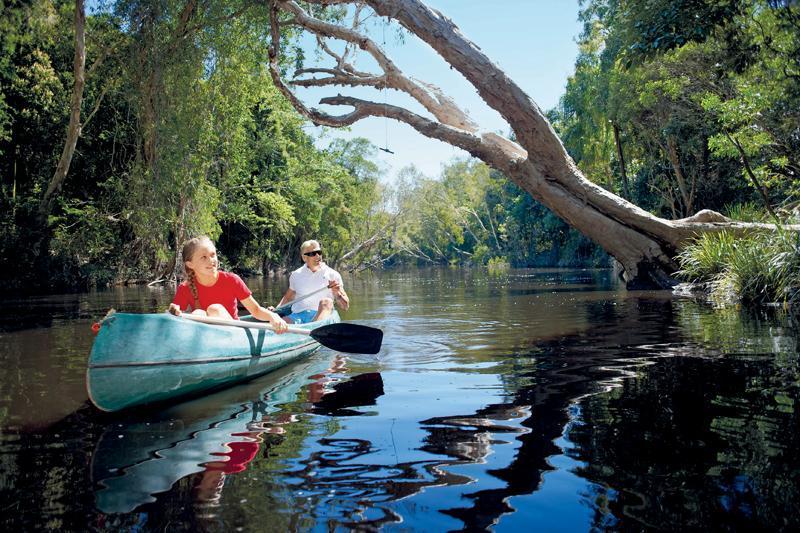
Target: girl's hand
(279, 324)
(174, 309)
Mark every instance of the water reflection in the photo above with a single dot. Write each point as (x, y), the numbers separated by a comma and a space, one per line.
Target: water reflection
(215, 436)
(538, 397)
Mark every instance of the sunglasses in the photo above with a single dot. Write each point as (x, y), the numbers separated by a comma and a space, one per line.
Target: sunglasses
(313, 253)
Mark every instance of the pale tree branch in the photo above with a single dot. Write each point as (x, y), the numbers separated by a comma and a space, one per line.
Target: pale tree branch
(483, 147)
(378, 236)
(74, 126)
(341, 60)
(444, 109)
(96, 107)
(341, 78)
(349, 49)
(416, 253)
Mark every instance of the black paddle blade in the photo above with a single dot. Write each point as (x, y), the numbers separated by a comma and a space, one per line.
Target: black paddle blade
(349, 338)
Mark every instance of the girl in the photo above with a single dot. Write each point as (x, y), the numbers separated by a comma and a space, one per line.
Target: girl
(210, 291)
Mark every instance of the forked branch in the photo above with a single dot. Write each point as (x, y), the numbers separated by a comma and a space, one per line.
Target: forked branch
(431, 98)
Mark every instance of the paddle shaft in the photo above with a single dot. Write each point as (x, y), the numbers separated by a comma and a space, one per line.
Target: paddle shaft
(350, 338)
(280, 308)
(239, 323)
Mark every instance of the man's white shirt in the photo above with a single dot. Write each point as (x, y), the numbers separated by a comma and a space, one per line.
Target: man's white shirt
(302, 281)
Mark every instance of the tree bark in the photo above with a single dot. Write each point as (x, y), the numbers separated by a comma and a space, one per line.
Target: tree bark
(626, 193)
(645, 245)
(74, 128)
(675, 161)
(753, 178)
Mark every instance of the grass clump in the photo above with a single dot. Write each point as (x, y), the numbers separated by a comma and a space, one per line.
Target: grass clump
(746, 212)
(707, 257)
(498, 266)
(755, 269)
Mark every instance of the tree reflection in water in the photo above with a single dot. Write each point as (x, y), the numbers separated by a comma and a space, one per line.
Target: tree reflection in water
(664, 433)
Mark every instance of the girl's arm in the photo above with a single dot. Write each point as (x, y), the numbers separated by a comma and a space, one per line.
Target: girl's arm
(264, 314)
(182, 299)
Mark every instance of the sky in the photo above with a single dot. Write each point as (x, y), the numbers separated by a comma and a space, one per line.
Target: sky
(533, 41)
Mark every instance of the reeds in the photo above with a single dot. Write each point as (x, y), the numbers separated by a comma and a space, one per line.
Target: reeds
(757, 269)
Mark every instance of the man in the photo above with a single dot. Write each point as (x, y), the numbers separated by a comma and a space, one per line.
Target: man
(314, 275)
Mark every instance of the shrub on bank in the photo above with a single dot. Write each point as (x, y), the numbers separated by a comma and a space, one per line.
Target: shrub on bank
(757, 269)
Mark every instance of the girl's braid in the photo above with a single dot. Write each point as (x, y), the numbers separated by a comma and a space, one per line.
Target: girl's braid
(190, 278)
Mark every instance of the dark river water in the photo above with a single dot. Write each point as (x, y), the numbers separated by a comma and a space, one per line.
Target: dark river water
(536, 399)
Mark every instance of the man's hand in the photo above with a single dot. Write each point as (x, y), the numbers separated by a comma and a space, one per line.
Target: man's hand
(335, 288)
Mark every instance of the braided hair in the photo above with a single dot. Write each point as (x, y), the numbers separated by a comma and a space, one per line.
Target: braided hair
(186, 254)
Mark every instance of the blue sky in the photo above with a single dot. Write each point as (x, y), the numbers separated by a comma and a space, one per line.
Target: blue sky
(532, 40)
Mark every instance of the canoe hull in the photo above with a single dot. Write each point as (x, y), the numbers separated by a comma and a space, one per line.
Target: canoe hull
(145, 358)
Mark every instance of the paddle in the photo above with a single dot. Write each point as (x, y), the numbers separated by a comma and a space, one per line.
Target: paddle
(342, 337)
(286, 308)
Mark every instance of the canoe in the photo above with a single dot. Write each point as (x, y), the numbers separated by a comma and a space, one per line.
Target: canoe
(138, 359)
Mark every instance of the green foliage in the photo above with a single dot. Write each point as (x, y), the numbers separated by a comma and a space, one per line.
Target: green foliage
(746, 212)
(497, 266)
(86, 243)
(183, 134)
(475, 216)
(707, 257)
(685, 83)
(757, 269)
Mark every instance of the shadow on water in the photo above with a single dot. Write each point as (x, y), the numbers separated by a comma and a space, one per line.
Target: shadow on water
(572, 410)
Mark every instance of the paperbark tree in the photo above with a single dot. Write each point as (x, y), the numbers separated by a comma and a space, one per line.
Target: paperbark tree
(74, 128)
(645, 245)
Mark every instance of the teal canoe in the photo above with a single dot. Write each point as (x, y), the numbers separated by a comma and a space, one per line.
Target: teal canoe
(138, 359)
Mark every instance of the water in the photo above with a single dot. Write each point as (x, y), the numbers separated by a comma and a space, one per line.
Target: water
(539, 398)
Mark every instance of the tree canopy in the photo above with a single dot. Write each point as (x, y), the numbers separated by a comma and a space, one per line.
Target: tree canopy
(189, 125)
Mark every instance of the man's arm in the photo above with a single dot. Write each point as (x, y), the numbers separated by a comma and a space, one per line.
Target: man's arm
(339, 296)
(287, 297)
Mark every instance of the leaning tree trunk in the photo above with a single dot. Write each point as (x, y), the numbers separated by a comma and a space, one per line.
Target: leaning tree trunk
(74, 128)
(644, 244)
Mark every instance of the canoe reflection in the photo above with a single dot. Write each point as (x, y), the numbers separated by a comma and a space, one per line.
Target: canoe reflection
(360, 390)
(215, 436)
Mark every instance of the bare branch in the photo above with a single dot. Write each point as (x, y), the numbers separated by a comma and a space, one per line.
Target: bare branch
(646, 245)
(96, 107)
(379, 82)
(500, 92)
(481, 147)
(341, 61)
(444, 110)
(379, 235)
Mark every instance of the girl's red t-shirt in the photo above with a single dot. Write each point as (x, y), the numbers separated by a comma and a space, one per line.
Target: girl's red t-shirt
(228, 291)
